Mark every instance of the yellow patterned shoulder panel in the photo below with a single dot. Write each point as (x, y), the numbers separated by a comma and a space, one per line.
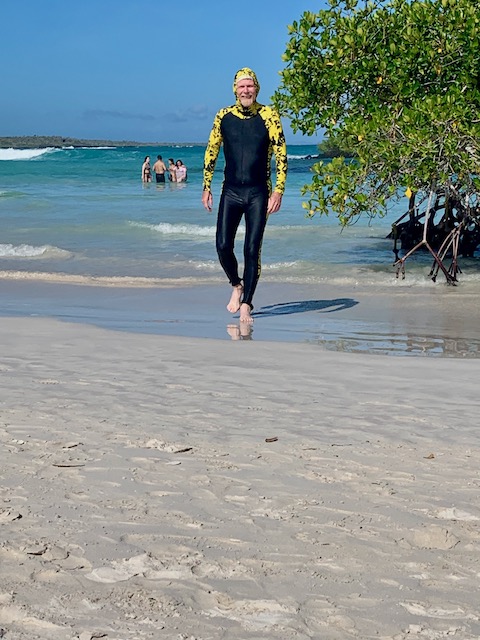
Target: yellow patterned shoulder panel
(277, 145)
(213, 148)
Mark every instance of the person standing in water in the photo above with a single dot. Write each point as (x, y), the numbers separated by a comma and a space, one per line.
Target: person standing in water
(146, 170)
(250, 133)
(172, 170)
(159, 168)
(181, 171)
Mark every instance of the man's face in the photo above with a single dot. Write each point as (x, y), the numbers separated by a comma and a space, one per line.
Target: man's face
(246, 92)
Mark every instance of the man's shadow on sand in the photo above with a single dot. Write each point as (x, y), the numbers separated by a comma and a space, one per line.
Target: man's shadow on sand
(243, 331)
(302, 306)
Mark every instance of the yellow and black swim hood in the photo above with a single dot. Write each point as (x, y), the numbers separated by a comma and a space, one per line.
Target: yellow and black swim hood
(241, 75)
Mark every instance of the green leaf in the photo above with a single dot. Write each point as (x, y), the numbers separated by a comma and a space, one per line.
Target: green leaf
(397, 84)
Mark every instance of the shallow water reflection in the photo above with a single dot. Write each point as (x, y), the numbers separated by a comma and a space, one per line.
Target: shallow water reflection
(398, 344)
(240, 331)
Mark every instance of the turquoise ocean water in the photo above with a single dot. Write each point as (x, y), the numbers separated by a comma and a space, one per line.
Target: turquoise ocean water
(84, 212)
(82, 216)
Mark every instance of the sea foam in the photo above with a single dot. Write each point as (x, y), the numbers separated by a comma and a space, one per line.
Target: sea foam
(167, 228)
(29, 251)
(24, 154)
(307, 156)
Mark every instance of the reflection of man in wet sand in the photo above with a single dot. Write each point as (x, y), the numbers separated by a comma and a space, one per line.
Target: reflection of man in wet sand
(250, 133)
(240, 332)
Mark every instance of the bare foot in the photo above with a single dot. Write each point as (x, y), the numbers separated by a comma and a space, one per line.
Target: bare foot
(234, 305)
(245, 313)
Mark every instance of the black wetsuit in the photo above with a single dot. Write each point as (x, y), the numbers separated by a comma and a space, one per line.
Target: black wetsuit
(248, 137)
(234, 202)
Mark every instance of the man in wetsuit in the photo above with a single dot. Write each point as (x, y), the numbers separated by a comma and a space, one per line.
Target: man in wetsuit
(250, 133)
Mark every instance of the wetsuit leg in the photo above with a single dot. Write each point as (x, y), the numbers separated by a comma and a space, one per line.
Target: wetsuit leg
(230, 213)
(255, 221)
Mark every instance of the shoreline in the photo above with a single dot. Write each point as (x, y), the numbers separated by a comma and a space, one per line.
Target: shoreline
(434, 321)
(162, 485)
(59, 142)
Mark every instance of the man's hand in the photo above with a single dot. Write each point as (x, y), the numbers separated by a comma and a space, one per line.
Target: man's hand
(207, 200)
(274, 202)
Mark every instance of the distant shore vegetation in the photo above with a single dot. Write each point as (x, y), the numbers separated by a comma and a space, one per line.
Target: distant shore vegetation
(40, 142)
(325, 148)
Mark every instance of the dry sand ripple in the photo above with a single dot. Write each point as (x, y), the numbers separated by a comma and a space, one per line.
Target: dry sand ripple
(140, 499)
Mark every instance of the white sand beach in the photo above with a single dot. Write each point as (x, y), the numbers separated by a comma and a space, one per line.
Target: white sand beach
(190, 488)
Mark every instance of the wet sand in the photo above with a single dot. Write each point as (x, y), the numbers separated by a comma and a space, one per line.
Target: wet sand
(433, 320)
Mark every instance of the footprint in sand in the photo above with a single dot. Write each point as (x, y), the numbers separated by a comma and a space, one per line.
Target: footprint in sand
(420, 609)
(253, 614)
(120, 571)
(58, 555)
(431, 537)
(9, 515)
(455, 514)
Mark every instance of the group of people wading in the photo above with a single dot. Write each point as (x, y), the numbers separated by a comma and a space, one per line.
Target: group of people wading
(177, 171)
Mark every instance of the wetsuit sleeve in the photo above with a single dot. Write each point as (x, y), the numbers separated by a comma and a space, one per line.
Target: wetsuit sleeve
(213, 148)
(279, 147)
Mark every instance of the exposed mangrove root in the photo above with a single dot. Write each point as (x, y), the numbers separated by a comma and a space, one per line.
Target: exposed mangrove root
(456, 233)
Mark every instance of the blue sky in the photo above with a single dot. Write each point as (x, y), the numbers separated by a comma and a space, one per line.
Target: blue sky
(132, 70)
